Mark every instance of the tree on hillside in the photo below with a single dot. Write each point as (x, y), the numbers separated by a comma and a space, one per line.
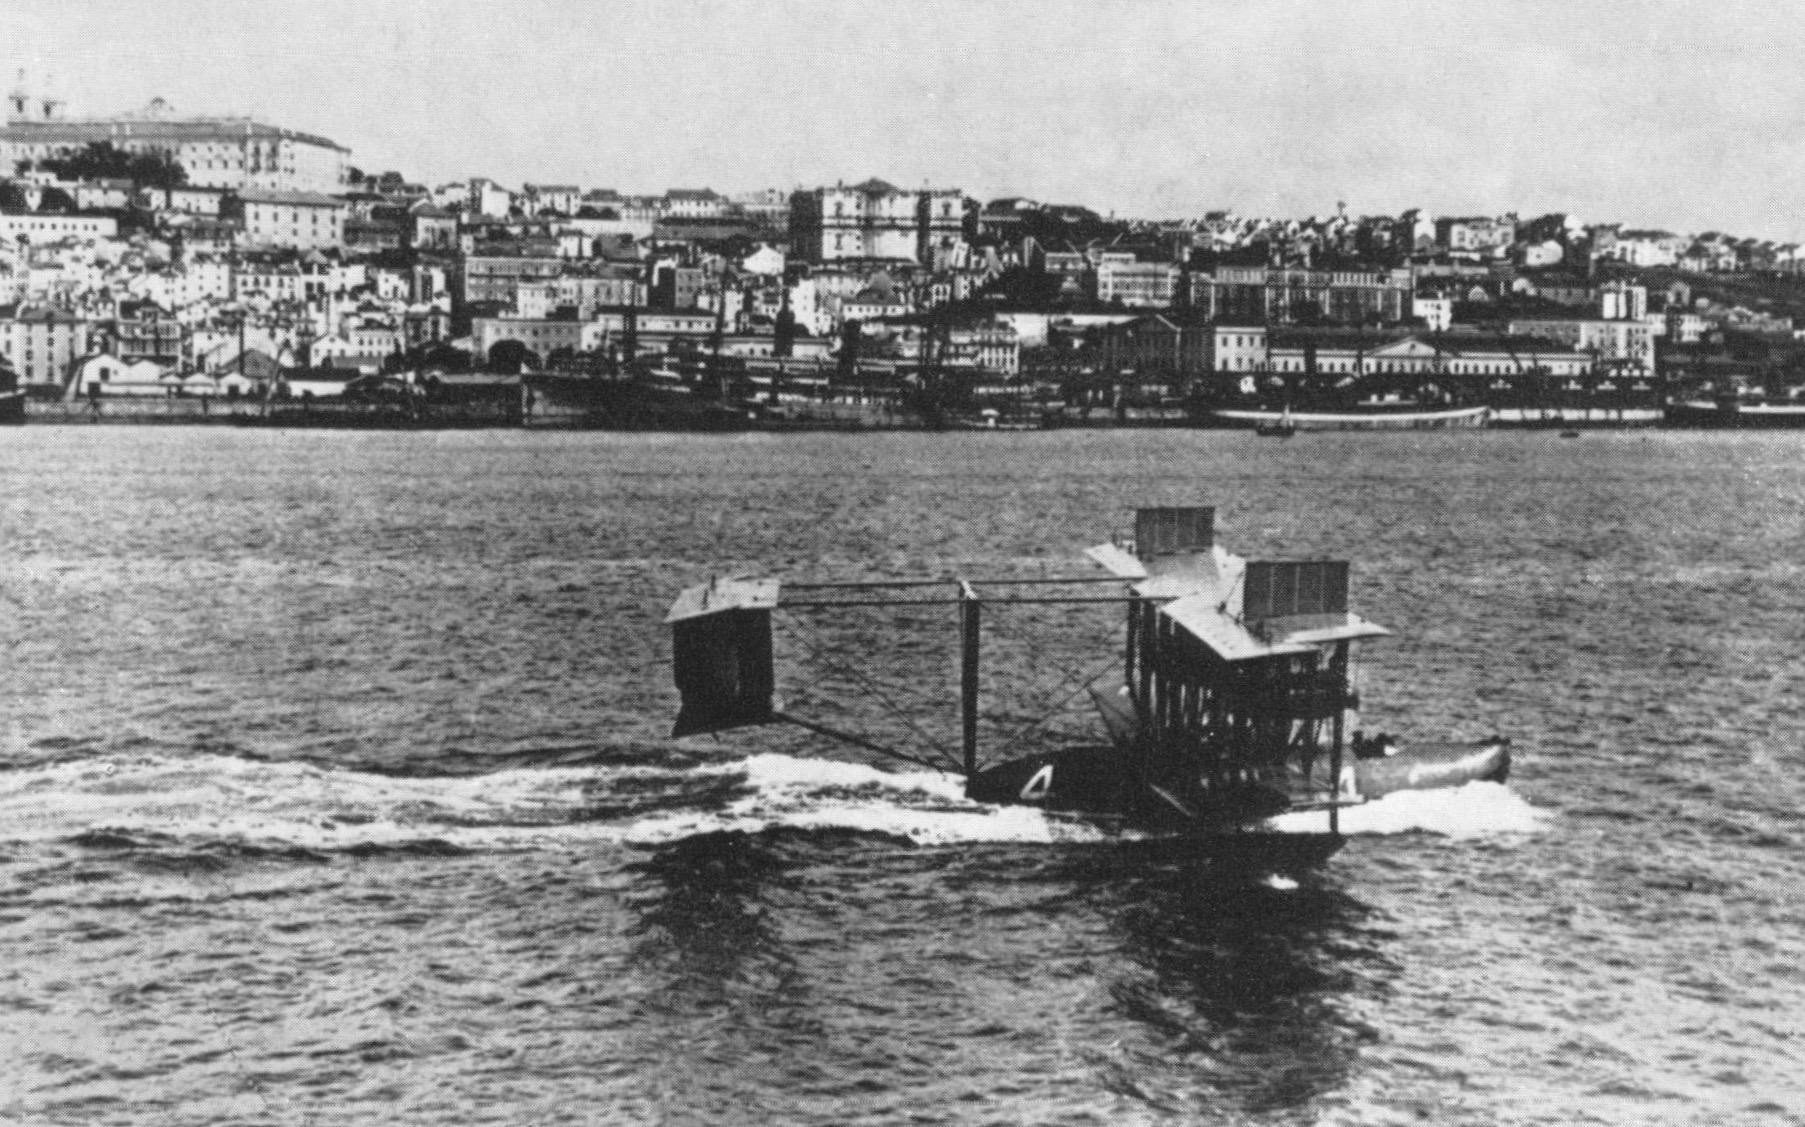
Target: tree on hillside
(508, 357)
(102, 161)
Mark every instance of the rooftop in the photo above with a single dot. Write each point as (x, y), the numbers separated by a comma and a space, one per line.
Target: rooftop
(124, 128)
(292, 199)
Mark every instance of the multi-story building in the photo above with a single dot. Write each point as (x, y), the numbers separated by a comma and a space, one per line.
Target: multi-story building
(940, 227)
(1237, 348)
(536, 301)
(1647, 248)
(42, 227)
(552, 199)
(1137, 285)
(1073, 268)
(99, 195)
(693, 203)
(540, 335)
(1436, 313)
(145, 332)
(1628, 343)
(363, 343)
(993, 347)
(199, 234)
(770, 206)
(294, 220)
(41, 344)
(678, 287)
(197, 281)
(601, 289)
(432, 227)
(486, 197)
(1171, 348)
(655, 332)
(185, 200)
(1623, 301)
(874, 220)
(492, 276)
(1157, 345)
(279, 281)
(214, 152)
(1260, 294)
(1472, 360)
(1476, 234)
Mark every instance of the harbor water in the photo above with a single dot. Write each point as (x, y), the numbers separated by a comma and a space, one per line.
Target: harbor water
(335, 788)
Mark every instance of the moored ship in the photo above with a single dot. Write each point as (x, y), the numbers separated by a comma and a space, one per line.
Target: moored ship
(1759, 414)
(1377, 416)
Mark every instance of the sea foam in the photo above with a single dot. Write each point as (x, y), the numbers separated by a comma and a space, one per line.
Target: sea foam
(224, 798)
(1473, 810)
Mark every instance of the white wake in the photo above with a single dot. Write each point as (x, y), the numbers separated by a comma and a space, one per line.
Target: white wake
(1476, 809)
(224, 798)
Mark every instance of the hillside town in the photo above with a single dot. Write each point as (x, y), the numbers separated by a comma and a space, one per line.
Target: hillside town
(152, 258)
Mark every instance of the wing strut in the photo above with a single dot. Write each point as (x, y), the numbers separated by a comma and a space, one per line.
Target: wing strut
(970, 615)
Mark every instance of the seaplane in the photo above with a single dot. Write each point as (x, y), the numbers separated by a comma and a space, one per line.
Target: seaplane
(1233, 703)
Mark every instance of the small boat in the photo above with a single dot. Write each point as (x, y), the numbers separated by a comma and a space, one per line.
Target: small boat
(1234, 702)
(1282, 427)
(1569, 433)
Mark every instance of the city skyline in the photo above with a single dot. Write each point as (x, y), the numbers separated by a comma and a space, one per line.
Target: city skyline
(1631, 112)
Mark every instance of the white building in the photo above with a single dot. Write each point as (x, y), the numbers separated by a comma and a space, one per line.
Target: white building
(215, 152)
(41, 344)
(551, 199)
(1435, 312)
(875, 220)
(489, 198)
(298, 220)
(698, 203)
(1630, 341)
(1649, 248)
(45, 228)
(1138, 285)
(109, 376)
(766, 262)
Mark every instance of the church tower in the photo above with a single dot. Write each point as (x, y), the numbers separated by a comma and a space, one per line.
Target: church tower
(21, 106)
(18, 101)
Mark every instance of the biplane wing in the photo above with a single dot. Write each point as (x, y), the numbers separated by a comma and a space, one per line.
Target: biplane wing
(1271, 608)
(1201, 617)
(1118, 560)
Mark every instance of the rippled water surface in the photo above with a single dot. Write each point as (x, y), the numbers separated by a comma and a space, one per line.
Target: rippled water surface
(334, 788)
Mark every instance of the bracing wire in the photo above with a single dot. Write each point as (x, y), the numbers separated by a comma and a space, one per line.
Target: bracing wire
(876, 691)
(1038, 702)
(1083, 681)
